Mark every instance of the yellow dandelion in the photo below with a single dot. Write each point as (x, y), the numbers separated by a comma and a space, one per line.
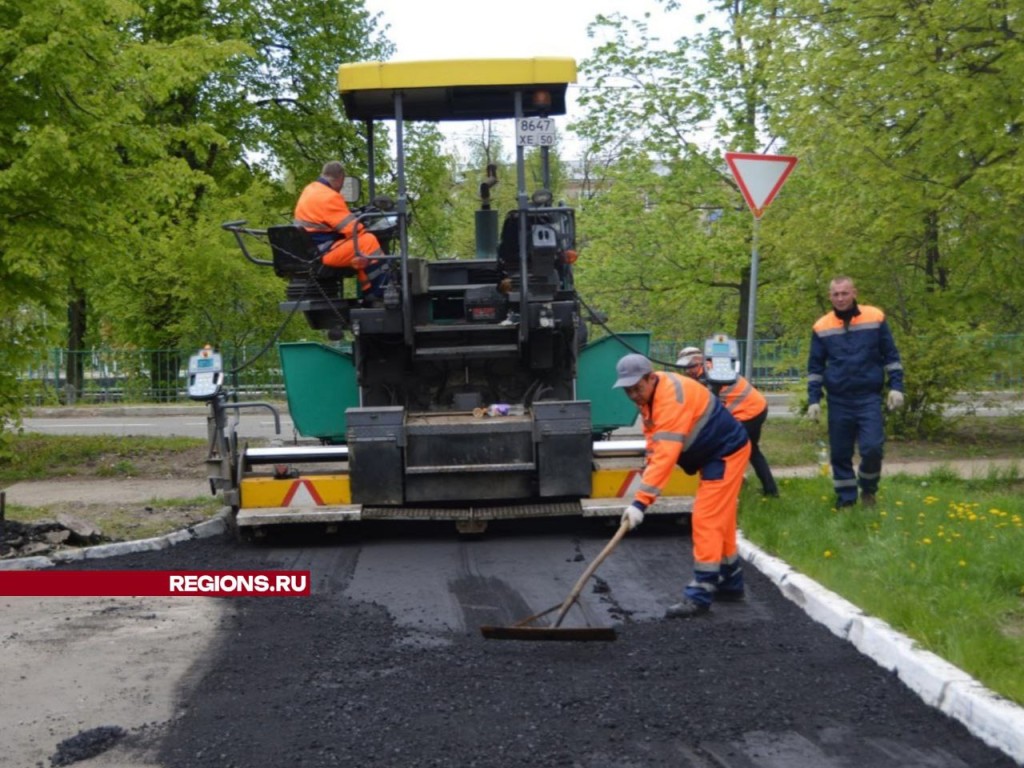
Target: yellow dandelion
(828, 553)
(962, 563)
(926, 540)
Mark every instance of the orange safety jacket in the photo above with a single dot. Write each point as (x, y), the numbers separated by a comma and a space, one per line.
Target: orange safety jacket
(742, 399)
(685, 424)
(324, 213)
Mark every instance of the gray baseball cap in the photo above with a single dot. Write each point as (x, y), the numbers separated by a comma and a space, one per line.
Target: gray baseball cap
(630, 369)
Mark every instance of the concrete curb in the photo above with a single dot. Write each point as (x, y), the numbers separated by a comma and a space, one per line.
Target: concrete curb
(990, 717)
(215, 526)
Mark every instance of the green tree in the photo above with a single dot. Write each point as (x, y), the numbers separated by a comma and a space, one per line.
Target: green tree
(273, 109)
(79, 83)
(429, 171)
(677, 242)
(907, 117)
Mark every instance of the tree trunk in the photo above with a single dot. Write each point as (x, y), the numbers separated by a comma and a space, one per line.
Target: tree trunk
(936, 273)
(75, 368)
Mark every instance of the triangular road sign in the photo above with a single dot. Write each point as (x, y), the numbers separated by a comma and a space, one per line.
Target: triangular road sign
(760, 177)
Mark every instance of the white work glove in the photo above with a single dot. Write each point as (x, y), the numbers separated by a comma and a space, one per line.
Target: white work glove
(814, 411)
(633, 516)
(895, 399)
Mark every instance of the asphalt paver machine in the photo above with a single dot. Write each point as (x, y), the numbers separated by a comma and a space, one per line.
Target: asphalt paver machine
(465, 391)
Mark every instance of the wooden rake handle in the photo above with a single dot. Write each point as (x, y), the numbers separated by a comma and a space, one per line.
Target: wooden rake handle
(574, 595)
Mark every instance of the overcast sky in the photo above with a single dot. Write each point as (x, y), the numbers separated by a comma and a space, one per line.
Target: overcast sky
(461, 29)
(456, 29)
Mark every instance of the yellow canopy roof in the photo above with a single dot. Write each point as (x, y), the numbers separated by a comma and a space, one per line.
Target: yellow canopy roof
(458, 89)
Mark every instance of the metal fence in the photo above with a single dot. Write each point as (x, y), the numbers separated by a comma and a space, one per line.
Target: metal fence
(161, 375)
(142, 375)
(776, 365)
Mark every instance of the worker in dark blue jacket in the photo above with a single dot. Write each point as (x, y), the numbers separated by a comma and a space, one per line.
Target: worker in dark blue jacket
(852, 352)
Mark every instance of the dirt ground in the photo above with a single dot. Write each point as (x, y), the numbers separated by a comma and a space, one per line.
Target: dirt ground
(95, 669)
(75, 666)
(162, 493)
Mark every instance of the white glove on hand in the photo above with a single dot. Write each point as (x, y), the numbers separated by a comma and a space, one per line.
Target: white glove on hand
(633, 516)
(895, 400)
(814, 411)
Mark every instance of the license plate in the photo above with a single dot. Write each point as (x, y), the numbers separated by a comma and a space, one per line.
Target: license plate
(535, 132)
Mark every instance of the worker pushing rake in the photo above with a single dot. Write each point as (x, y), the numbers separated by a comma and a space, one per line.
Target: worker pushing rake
(683, 424)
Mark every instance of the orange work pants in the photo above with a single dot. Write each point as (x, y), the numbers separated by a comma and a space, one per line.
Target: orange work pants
(343, 253)
(713, 520)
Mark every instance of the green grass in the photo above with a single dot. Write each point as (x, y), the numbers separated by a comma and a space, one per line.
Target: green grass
(34, 456)
(939, 559)
(793, 442)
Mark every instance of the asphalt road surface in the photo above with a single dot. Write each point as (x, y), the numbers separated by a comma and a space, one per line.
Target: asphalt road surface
(384, 665)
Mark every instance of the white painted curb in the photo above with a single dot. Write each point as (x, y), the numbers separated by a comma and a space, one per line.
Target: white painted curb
(995, 720)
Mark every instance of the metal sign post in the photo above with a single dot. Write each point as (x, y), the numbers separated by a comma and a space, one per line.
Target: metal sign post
(748, 355)
(760, 177)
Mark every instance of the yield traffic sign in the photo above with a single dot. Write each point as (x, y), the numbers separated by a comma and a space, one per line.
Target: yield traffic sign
(760, 177)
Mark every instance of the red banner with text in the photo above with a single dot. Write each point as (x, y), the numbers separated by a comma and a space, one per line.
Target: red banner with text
(155, 583)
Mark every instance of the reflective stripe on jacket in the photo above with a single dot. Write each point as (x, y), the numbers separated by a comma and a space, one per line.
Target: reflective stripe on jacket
(683, 424)
(324, 213)
(851, 360)
(742, 399)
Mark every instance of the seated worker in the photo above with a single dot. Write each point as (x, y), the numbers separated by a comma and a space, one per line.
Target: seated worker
(323, 212)
(745, 403)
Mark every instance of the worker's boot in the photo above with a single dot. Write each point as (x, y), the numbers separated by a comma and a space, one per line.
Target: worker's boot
(687, 609)
(696, 597)
(730, 580)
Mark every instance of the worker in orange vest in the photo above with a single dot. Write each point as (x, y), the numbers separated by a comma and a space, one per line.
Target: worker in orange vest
(685, 425)
(323, 212)
(745, 403)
